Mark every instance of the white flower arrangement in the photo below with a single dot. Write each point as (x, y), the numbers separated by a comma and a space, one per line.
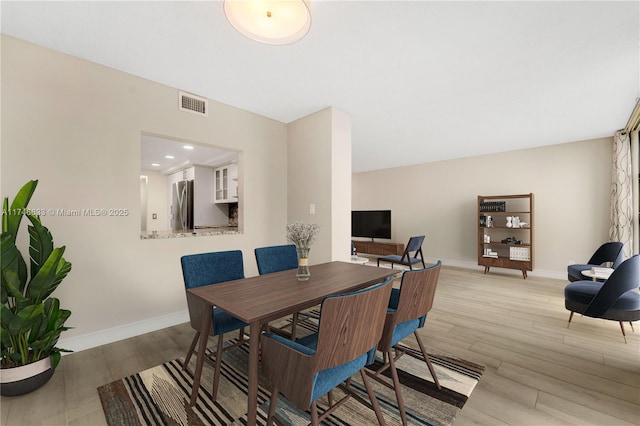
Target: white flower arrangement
(303, 235)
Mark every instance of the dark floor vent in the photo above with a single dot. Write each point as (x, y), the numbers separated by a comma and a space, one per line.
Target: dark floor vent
(192, 103)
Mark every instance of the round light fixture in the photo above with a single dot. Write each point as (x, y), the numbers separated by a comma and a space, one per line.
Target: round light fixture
(270, 22)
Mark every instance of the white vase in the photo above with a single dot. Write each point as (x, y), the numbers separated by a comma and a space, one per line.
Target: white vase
(509, 221)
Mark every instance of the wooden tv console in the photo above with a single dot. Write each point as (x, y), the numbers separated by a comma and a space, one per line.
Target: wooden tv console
(382, 249)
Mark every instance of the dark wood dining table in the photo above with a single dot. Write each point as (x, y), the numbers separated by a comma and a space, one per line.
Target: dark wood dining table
(258, 300)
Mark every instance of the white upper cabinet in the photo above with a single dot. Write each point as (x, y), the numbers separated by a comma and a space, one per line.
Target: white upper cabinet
(226, 184)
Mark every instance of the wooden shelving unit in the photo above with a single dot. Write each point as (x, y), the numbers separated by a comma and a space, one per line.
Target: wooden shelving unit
(506, 232)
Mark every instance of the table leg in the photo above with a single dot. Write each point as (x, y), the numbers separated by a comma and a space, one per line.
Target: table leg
(205, 329)
(252, 392)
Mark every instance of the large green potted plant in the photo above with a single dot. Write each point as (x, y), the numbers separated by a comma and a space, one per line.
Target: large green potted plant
(31, 321)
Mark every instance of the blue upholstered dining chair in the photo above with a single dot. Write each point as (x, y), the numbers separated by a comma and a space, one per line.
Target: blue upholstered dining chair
(275, 259)
(607, 253)
(304, 371)
(406, 313)
(413, 246)
(616, 299)
(207, 269)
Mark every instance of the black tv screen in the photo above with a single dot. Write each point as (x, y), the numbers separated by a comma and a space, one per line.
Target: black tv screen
(371, 223)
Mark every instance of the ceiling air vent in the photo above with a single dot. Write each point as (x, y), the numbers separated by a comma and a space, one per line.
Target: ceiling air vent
(192, 103)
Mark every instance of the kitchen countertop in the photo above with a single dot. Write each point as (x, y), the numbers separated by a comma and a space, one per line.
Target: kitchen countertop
(200, 232)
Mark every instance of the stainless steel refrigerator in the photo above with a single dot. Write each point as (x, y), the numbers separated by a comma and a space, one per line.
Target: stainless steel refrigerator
(182, 206)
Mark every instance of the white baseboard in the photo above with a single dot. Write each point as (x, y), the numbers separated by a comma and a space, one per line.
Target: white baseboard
(110, 335)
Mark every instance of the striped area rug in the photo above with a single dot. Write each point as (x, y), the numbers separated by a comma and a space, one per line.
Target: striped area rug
(160, 395)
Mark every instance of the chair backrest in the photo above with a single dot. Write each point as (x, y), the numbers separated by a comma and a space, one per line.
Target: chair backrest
(417, 291)
(276, 258)
(205, 269)
(414, 244)
(211, 268)
(624, 278)
(608, 252)
(351, 324)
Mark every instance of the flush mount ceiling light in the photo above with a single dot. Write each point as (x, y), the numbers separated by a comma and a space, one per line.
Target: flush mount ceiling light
(270, 22)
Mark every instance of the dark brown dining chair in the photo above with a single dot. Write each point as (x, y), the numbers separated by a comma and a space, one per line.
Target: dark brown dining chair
(309, 368)
(407, 311)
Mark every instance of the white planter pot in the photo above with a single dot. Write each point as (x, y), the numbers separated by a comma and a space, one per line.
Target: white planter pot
(24, 379)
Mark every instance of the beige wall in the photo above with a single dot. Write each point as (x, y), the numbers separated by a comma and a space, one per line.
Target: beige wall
(341, 185)
(76, 127)
(571, 184)
(157, 201)
(319, 163)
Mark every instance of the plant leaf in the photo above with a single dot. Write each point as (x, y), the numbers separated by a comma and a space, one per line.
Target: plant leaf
(11, 284)
(24, 319)
(12, 216)
(55, 359)
(11, 260)
(53, 270)
(5, 316)
(40, 243)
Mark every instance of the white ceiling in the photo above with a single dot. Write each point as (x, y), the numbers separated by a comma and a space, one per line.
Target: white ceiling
(423, 81)
(154, 153)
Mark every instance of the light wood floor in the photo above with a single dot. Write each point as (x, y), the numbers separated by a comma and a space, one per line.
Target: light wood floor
(538, 372)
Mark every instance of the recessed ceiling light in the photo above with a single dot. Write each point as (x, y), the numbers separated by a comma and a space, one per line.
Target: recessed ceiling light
(188, 147)
(155, 164)
(170, 157)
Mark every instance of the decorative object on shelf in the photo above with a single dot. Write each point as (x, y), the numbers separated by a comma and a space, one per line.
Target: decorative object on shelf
(511, 240)
(519, 253)
(509, 222)
(490, 253)
(302, 235)
(493, 206)
(486, 221)
(31, 320)
(270, 22)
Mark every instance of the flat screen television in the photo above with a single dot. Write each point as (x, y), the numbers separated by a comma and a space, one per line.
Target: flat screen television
(371, 223)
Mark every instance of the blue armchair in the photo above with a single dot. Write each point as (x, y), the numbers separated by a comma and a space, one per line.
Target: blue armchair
(616, 299)
(303, 371)
(608, 252)
(207, 269)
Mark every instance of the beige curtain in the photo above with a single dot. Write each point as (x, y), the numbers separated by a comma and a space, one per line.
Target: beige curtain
(622, 209)
(635, 171)
(633, 130)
